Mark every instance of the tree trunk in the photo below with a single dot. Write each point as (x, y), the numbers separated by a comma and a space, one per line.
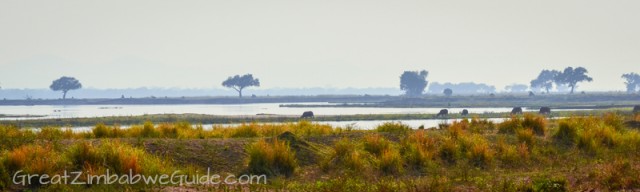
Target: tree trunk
(240, 93)
(64, 95)
(572, 87)
(547, 90)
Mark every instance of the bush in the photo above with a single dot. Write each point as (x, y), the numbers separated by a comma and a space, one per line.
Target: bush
(393, 127)
(449, 150)
(100, 131)
(418, 149)
(614, 120)
(148, 130)
(83, 154)
(617, 175)
(478, 151)
(346, 156)
(457, 129)
(510, 125)
(245, 130)
(537, 123)
(272, 159)
(375, 144)
(33, 159)
(526, 136)
(478, 125)
(390, 161)
(567, 132)
(508, 154)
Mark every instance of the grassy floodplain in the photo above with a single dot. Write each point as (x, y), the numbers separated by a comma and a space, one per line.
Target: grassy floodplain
(524, 153)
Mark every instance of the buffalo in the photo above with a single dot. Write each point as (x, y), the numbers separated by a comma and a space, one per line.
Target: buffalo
(516, 111)
(307, 114)
(442, 113)
(464, 112)
(545, 110)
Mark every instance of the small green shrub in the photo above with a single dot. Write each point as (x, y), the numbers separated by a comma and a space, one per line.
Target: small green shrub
(509, 126)
(149, 131)
(537, 123)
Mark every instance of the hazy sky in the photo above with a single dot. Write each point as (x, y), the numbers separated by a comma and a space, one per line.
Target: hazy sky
(301, 43)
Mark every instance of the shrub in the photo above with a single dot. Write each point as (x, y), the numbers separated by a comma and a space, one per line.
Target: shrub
(614, 120)
(13, 137)
(168, 130)
(508, 154)
(100, 131)
(375, 144)
(33, 159)
(449, 150)
(510, 125)
(535, 122)
(478, 152)
(525, 136)
(418, 149)
(347, 156)
(481, 125)
(567, 132)
(306, 128)
(50, 134)
(393, 127)
(274, 158)
(390, 161)
(148, 130)
(83, 154)
(245, 130)
(456, 129)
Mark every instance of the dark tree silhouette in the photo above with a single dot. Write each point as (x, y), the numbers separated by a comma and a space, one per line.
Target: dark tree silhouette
(632, 82)
(448, 92)
(240, 82)
(571, 77)
(65, 84)
(413, 82)
(545, 79)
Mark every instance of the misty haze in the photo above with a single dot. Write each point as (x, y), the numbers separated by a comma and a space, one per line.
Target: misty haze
(319, 95)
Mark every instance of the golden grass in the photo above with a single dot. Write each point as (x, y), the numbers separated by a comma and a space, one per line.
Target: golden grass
(271, 158)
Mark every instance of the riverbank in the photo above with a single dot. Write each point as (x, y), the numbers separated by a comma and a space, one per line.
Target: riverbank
(218, 119)
(530, 153)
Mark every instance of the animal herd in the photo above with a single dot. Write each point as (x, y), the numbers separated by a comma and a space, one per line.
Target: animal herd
(465, 112)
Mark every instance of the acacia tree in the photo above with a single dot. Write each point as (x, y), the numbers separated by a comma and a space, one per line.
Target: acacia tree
(632, 81)
(65, 84)
(545, 80)
(240, 82)
(413, 82)
(571, 77)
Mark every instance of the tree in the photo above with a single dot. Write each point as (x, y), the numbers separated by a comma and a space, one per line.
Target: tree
(448, 92)
(545, 80)
(413, 82)
(516, 88)
(65, 84)
(571, 77)
(240, 82)
(632, 82)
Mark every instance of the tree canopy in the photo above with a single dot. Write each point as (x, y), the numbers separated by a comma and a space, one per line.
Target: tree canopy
(65, 84)
(571, 77)
(448, 92)
(414, 82)
(238, 82)
(632, 80)
(545, 80)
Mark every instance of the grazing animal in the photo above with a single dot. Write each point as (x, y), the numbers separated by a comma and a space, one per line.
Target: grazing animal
(516, 111)
(307, 114)
(464, 112)
(442, 113)
(636, 109)
(545, 110)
